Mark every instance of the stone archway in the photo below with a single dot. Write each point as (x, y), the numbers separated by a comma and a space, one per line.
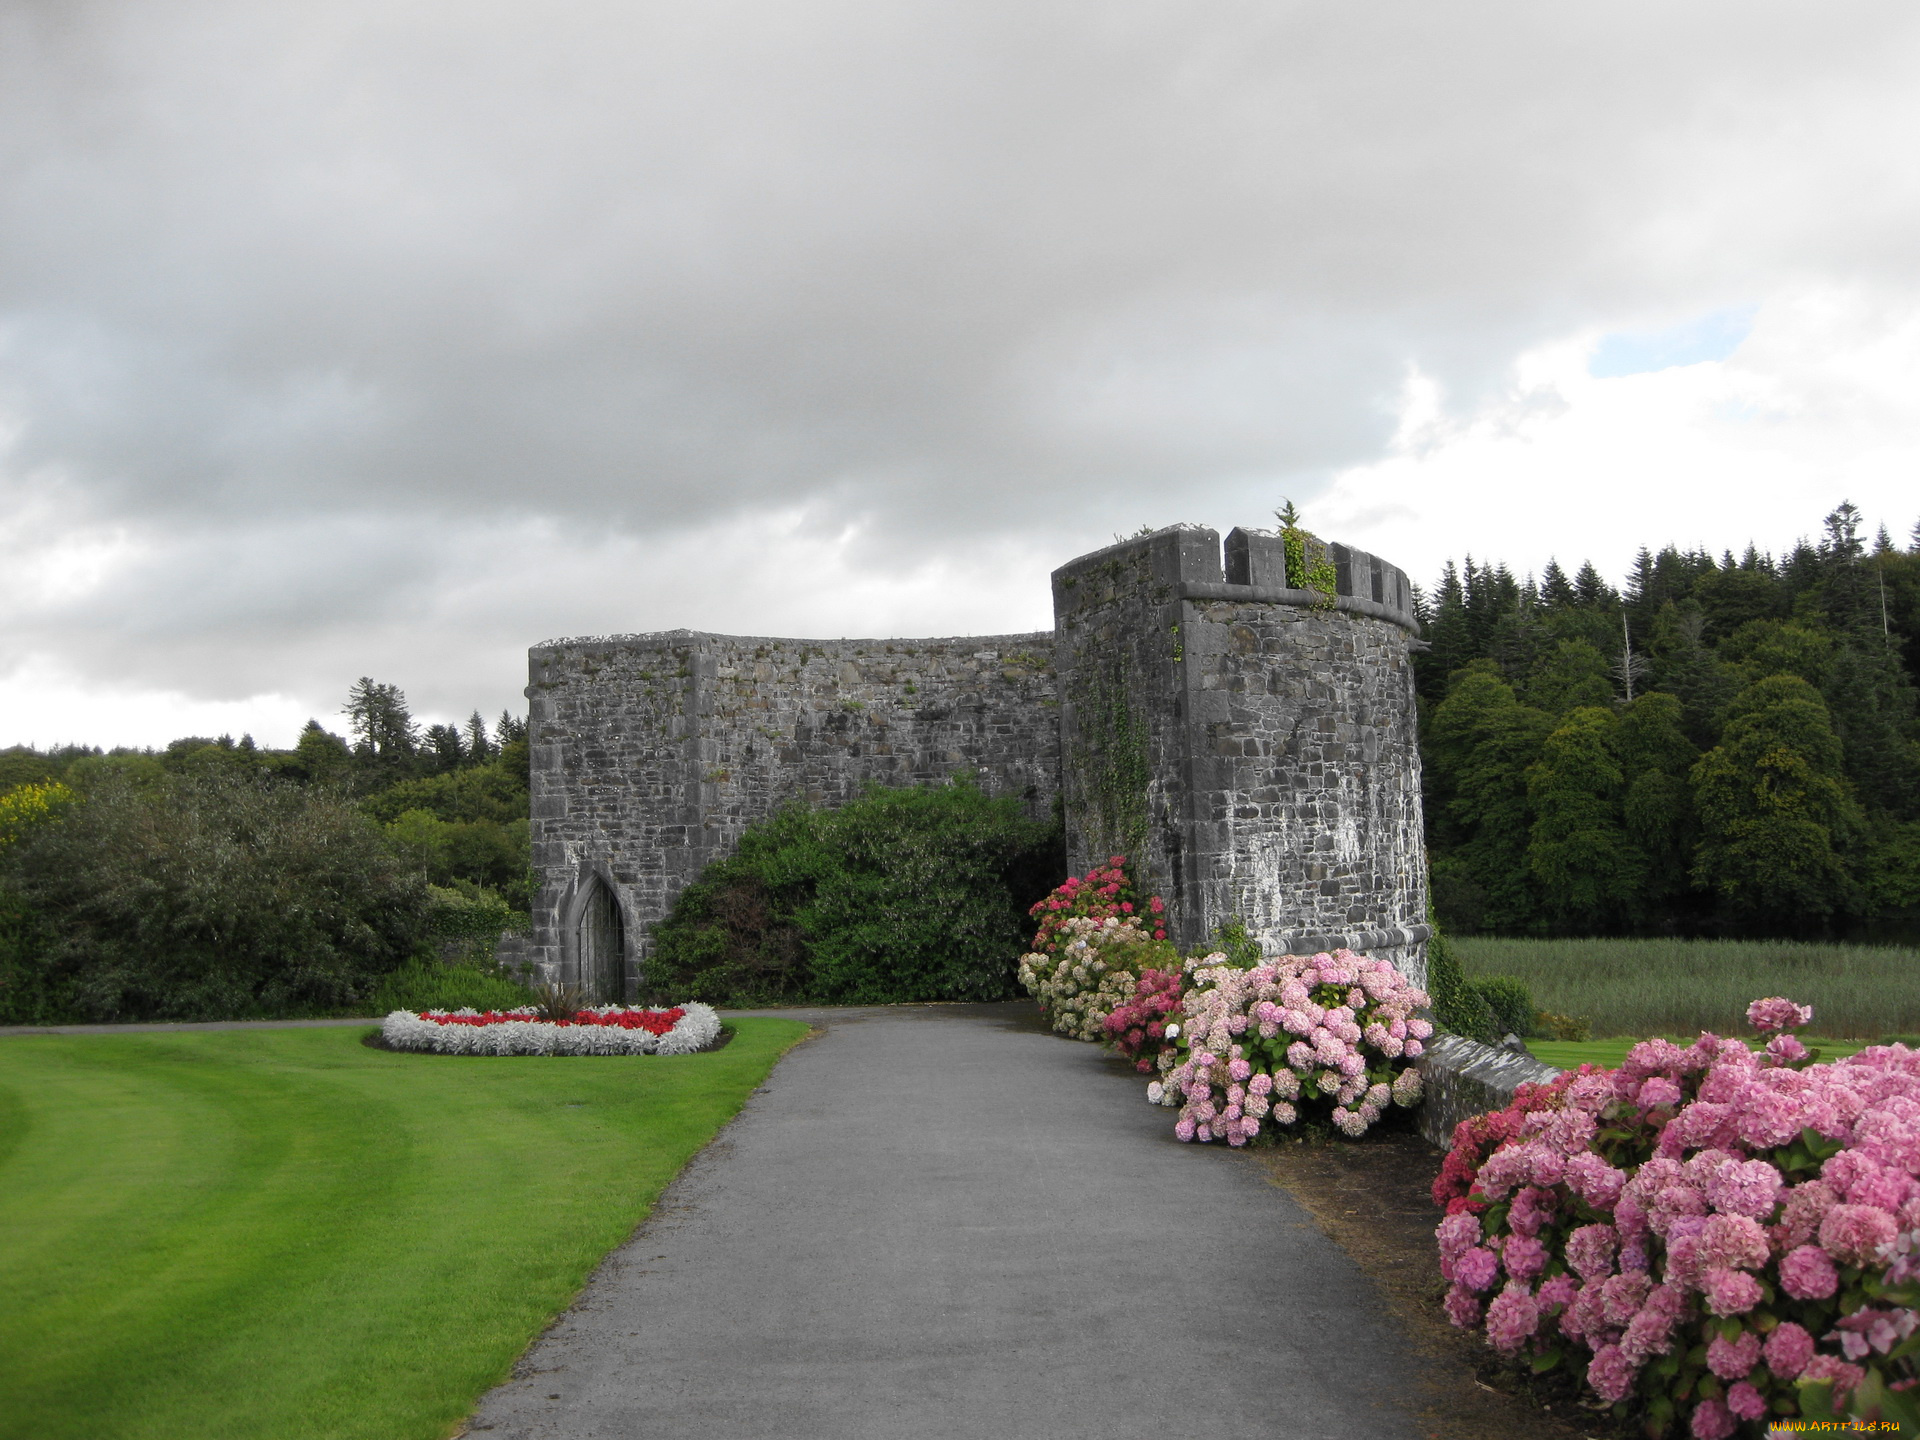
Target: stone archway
(601, 945)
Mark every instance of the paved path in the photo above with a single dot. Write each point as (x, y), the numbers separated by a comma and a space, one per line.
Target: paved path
(946, 1223)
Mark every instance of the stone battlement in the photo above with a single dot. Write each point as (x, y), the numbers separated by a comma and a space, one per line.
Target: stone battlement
(1249, 741)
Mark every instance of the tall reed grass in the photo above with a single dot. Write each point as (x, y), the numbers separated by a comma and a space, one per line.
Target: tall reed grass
(1678, 987)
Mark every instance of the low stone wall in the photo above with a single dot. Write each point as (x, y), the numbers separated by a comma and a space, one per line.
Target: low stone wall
(1462, 1078)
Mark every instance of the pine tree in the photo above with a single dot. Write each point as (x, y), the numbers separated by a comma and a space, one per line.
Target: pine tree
(444, 749)
(479, 748)
(1592, 591)
(1556, 591)
(382, 727)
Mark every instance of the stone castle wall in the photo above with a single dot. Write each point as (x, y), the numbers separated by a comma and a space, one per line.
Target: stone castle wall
(1250, 744)
(1254, 746)
(652, 753)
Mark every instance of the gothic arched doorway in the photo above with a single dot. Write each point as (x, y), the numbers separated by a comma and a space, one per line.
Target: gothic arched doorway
(602, 948)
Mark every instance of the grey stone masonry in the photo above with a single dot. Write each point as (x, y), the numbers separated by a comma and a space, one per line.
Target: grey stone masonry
(1461, 1078)
(652, 753)
(1253, 743)
(1248, 740)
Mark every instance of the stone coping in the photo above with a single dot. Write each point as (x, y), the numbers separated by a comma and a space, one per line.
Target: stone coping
(1462, 1078)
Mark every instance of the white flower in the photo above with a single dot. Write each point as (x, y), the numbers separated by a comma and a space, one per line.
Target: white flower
(1173, 1032)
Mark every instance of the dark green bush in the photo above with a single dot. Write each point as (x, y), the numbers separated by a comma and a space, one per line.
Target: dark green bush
(1457, 1006)
(199, 896)
(421, 986)
(900, 895)
(1510, 1002)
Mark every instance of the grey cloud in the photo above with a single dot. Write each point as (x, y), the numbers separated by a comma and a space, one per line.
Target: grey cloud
(935, 271)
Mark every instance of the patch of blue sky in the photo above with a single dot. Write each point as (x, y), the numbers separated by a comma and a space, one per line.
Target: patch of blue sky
(1712, 336)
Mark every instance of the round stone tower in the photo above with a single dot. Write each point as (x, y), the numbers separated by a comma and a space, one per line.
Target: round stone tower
(1248, 737)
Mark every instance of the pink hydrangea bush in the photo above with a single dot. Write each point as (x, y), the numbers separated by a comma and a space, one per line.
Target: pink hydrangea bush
(1711, 1234)
(1332, 1036)
(1138, 1028)
(1104, 892)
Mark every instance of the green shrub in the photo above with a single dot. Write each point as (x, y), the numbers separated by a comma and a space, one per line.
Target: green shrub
(899, 895)
(204, 895)
(1510, 1002)
(467, 921)
(421, 986)
(1457, 1006)
(1549, 1025)
(1231, 940)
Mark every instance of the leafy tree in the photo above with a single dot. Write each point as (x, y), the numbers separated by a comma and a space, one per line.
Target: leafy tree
(1482, 741)
(1569, 676)
(1656, 757)
(322, 757)
(206, 896)
(1590, 873)
(1775, 809)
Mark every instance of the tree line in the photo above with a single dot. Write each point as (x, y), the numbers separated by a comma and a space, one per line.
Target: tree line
(216, 877)
(1725, 746)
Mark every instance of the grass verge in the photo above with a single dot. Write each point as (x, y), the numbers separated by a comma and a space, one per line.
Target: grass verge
(1571, 1054)
(1681, 987)
(264, 1233)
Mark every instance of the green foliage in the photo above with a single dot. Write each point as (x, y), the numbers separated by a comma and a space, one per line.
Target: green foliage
(1232, 940)
(1508, 1000)
(1457, 1006)
(480, 852)
(424, 986)
(1483, 741)
(1573, 674)
(1589, 872)
(204, 897)
(900, 895)
(1728, 776)
(380, 1234)
(1774, 806)
(1309, 566)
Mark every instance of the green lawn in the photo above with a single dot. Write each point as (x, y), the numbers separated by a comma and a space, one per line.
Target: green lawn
(285, 1233)
(1680, 987)
(1571, 1054)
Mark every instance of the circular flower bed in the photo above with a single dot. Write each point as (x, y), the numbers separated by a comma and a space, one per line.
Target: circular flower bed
(600, 1030)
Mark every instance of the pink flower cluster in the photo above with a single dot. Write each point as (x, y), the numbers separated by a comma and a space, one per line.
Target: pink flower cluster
(1736, 1216)
(1106, 891)
(1138, 1029)
(1325, 1031)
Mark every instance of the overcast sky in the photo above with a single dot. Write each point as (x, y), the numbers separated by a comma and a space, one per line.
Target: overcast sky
(392, 336)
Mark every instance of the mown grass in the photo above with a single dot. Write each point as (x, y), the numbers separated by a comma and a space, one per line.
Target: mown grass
(1571, 1054)
(1680, 987)
(273, 1233)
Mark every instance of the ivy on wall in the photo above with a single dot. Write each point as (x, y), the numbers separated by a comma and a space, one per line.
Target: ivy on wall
(1110, 758)
(1308, 565)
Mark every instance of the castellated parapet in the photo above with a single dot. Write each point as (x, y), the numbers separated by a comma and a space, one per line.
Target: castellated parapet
(1251, 742)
